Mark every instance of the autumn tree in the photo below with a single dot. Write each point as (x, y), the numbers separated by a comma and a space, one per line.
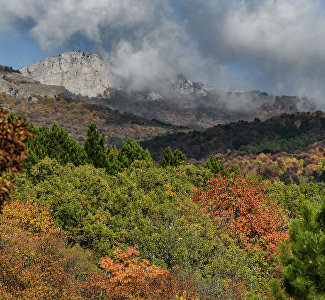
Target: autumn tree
(13, 132)
(240, 204)
(132, 278)
(36, 262)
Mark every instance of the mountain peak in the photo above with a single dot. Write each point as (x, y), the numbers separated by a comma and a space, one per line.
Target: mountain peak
(84, 73)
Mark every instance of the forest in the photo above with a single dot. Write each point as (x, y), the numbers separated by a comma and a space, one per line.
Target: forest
(97, 221)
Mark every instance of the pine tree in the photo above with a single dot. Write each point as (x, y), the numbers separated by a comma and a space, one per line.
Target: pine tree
(54, 143)
(216, 167)
(95, 147)
(114, 166)
(132, 151)
(303, 257)
(171, 158)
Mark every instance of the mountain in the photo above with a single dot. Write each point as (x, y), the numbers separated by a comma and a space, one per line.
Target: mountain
(44, 104)
(81, 73)
(13, 83)
(183, 102)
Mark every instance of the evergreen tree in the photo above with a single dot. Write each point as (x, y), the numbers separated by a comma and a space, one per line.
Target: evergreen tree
(54, 143)
(114, 166)
(132, 151)
(304, 257)
(285, 178)
(216, 167)
(95, 147)
(171, 158)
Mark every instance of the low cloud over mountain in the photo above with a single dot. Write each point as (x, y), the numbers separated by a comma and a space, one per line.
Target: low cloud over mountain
(268, 45)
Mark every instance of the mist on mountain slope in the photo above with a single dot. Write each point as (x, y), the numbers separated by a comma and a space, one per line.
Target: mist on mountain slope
(270, 45)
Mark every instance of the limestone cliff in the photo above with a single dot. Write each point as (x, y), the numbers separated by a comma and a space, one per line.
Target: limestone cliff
(79, 72)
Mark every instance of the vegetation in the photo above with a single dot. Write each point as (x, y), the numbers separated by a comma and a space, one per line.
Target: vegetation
(13, 132)
(55, 143)
(75, 115)
(171, 158)
(98, 222)
(303, 258)
(286, 133)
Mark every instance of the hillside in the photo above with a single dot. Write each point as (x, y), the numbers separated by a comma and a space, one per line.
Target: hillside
(44, 104)
(178, 100)
(287, 132)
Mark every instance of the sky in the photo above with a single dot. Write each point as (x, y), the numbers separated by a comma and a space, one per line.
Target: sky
(277, 46)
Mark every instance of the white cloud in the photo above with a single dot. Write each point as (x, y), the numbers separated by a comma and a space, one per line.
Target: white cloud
(150, 41)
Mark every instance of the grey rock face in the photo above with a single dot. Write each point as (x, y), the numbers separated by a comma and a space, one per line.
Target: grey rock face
(18, 86)
(81, 73)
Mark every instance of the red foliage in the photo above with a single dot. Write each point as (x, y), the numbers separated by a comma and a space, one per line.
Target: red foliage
(240, 204)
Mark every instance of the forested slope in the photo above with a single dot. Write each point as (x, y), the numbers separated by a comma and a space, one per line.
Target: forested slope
(287, 132)
(97, 222)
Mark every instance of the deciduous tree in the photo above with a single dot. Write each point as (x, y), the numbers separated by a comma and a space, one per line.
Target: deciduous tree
(240, 204)
(13, 132)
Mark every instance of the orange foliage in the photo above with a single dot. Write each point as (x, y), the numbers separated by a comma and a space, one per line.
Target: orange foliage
(35, 263)
(240, 204)
(129, 277)
(12, 150)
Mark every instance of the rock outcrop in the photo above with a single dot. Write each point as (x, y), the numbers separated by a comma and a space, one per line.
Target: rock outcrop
(81, 73)
(19, 86)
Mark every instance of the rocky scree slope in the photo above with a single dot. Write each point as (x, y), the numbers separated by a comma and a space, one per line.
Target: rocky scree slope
(13, 83)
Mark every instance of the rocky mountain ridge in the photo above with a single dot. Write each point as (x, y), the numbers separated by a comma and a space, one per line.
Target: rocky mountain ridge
(16, 85)
(186, 103)
(81, 73)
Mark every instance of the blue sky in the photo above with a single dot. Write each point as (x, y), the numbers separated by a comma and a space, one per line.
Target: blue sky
(271, 45)
(17, 50)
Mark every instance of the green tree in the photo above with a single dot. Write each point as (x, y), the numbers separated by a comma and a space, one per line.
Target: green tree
(173, 159)
(146, 207)
(303, 257)
(54, 143)
(216, 167)
(285, 178)
(95, 147)
(132, 151)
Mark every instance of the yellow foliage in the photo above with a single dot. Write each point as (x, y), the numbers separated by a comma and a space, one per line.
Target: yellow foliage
(29, 216)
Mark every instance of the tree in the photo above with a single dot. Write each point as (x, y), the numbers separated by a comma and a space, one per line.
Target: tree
(95, 147)
(13, 132)
(132, 278)
(132, 151)
(216, 167)
(54, 143)
(285, 178)
(303, 257)
(240, 204)
(173, 159)
(36, 262)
